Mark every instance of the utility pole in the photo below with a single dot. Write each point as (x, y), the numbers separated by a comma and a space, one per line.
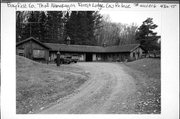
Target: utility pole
(30, 32)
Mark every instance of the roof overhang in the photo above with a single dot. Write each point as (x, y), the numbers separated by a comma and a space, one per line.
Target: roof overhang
(33, 39)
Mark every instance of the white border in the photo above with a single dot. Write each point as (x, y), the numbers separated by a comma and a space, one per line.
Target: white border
(169, 65)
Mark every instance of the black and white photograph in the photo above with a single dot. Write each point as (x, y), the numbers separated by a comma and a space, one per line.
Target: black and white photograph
(87, 62)
(89, 59)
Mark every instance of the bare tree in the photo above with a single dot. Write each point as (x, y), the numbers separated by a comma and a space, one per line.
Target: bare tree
(115, 33)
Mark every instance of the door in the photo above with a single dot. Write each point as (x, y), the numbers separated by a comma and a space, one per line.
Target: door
(89, 57)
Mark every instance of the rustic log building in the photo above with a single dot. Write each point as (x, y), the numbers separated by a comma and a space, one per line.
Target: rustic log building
(34, 49)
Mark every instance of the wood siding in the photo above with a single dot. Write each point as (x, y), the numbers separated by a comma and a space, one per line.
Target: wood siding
(26, 49)
(36, 50)
(53, 55)
(113, 57)
(136, 54)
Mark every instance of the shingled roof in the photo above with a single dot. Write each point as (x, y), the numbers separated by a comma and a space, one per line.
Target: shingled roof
(83, 48)
(122, 48)
(33, 39)
(94, 49)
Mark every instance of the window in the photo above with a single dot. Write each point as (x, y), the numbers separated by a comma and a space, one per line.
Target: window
(39, 53)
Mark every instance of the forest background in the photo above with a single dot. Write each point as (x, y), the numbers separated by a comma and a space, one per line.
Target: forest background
(84, 28)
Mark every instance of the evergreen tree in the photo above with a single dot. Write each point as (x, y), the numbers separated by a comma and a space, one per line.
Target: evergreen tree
(28, 24)
(94, 20)
(42, 22)
(81, 27)
(22, 28)
(72, 27)
(65, 24)
(54, 26)
(82, 31)
(34, 24)
(146, 36)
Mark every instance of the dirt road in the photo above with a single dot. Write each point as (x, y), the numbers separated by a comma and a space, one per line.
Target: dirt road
(109, 90)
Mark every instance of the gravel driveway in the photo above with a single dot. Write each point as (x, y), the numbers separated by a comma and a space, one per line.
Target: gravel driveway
(110, 90)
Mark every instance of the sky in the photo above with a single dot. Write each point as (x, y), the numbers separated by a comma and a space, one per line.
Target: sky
(137, 17)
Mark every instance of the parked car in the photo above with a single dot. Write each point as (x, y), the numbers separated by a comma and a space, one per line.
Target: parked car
(75, 58)
(68, 59)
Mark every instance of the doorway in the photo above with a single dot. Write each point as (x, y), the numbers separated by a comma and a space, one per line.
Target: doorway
(89, 57)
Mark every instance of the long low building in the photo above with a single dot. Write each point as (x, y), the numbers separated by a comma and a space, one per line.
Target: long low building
(36, 50)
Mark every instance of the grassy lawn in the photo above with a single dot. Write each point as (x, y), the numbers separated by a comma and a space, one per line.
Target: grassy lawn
(39, 85)
(149, 66)
(149, 87)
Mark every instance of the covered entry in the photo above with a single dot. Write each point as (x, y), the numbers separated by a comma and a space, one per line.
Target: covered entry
(89, 57)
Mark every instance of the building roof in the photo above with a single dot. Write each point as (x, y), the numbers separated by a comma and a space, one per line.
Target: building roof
(122, 48)
(83, 48)
(33, 39)
(74, 48)
(94, 49)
